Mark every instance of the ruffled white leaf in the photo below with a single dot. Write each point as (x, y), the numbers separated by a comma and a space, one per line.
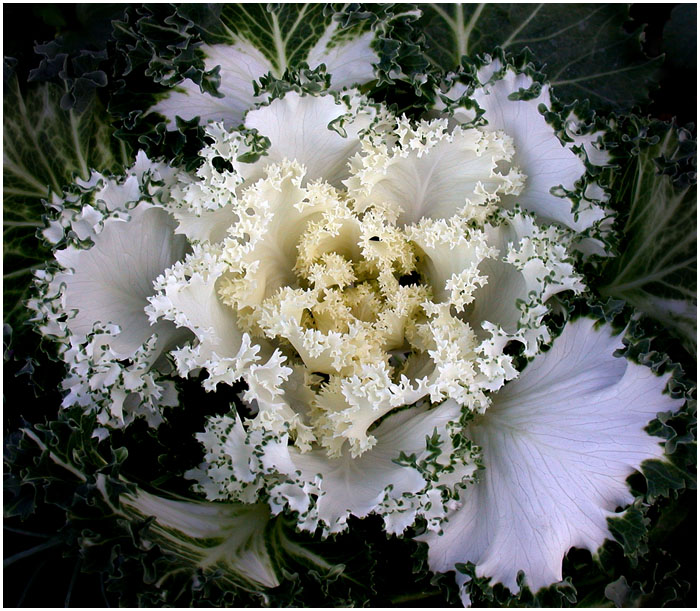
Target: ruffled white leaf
(558, 445)
(374, 482)
(540, 155)
(196, 306)
(496, 301)
(114, 247)
(430, 171)
(203, 203)
(326, 491)
(110, 283)
(262, 245)
(533, 265)
(188, 296)
(117, 390)
(299, 129)
(452, 254)
(83, 208)
(207, 226)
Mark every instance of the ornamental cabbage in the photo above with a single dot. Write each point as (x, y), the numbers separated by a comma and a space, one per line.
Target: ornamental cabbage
(384, 288)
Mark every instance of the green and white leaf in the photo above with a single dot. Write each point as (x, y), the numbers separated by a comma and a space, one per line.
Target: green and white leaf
(245, 42)
(285, 34)
(656, 271)
(585, 51)
(224, 536)
(45, 149)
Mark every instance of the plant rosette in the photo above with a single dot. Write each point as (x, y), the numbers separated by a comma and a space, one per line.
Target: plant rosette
(383, 286)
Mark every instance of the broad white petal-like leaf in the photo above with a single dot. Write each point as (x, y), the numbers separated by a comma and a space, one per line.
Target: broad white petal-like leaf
(348, 60)
(539, 153)
(299, 129)
(433, 172)
(558, 445)
(110, 282)
(358, 485)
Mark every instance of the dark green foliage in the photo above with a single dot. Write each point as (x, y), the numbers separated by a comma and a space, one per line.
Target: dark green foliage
(584, 48)
(655, 197)
(158, 41)
(630, 531)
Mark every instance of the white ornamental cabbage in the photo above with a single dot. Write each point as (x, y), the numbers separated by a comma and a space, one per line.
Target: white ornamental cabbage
(365, 277)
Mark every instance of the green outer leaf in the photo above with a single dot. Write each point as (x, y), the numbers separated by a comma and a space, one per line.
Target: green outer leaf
(656, 271)
(45, 149)
(620, 592)
(159, 41)
(586, 52)
(630, 530)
